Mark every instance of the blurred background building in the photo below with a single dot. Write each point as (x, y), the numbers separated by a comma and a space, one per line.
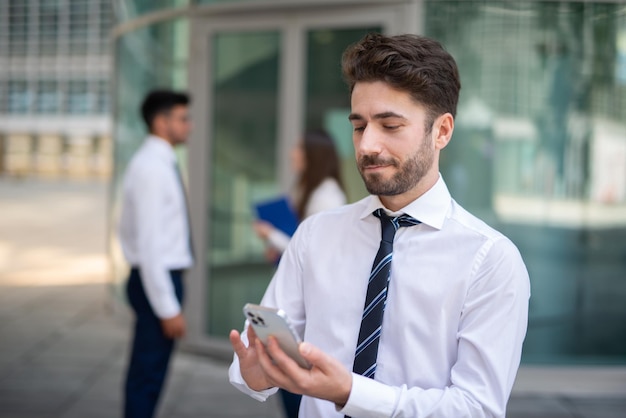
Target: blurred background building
(539, 149)
(55, 72)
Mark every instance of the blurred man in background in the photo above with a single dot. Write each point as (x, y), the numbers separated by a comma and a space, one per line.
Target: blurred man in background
(156, 239)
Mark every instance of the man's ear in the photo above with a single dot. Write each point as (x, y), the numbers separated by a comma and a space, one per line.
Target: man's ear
(442, 129)
(158, 124)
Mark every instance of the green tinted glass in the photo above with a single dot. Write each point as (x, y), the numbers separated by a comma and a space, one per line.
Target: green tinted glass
(328, 97)
(243, 170)
(539, 151)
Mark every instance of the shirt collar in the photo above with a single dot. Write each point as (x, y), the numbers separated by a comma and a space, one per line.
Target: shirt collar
(430, 208)
(161, 147)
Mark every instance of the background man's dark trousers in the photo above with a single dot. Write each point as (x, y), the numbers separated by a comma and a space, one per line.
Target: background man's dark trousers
(151, 350)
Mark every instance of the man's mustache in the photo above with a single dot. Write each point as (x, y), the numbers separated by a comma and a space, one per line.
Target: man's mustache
(373, 160)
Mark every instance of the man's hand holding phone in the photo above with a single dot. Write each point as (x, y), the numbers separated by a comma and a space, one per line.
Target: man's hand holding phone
(327, 379)
(265, 366)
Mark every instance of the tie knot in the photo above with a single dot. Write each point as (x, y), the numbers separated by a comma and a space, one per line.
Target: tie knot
(391, 224)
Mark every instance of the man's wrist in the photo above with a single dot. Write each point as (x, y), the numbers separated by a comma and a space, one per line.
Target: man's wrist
(344, 394)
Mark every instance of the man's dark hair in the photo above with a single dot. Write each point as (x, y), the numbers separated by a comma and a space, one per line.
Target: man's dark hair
(161, 101)
(415, 64)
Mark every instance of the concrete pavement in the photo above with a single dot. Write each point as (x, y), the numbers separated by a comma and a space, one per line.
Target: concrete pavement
(63, 350)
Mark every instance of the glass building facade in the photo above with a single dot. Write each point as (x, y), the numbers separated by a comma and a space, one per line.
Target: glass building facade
(55, 94)
(538, 152)
(55, 57)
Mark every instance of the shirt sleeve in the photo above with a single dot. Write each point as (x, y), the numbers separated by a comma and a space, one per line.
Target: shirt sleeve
(278, 239)
(490, 335)
(155, 276)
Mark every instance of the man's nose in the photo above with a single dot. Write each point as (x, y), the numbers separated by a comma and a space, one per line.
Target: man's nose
(370, 142)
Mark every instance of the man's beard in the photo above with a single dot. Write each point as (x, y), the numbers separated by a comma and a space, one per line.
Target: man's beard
(175, 137)
(410, 172)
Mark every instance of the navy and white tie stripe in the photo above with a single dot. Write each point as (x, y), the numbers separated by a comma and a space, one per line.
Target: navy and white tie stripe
(376, 297)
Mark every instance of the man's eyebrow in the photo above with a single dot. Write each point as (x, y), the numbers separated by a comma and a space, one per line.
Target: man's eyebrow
(384, 115)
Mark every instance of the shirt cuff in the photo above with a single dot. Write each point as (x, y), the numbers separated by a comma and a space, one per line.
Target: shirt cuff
(234, 375)
(279, 240)
(370, 399)
(168, 307)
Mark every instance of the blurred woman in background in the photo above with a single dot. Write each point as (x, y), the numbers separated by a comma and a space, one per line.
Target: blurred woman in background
(319, 186)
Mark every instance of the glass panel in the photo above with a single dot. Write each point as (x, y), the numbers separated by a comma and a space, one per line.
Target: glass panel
(4, 96)
(20, 97)
(18, 27)
(539, 151)
(224, 1)
(130, 9)
(150, 57)
(48, 97)
(105, 24)
(243, 170)
(78, 97)
(78, 26)
(48, 27)
(103, 99)
(328, 99)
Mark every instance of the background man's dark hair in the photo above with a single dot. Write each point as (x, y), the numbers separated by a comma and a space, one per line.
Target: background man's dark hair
(415, 64)
(161, 101)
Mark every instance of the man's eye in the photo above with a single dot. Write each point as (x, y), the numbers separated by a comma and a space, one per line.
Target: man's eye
(359, 128)
(391, 127)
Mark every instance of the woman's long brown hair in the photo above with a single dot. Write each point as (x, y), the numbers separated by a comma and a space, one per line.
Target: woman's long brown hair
(321, 162)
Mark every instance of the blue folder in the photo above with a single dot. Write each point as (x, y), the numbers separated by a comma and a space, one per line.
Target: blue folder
(279, 213)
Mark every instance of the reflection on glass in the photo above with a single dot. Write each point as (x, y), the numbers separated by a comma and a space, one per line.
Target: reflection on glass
(20, 97)
(243, 170)
(48, 96)
(130, 9)
(539, 151)
(328, 98)
(225, 1)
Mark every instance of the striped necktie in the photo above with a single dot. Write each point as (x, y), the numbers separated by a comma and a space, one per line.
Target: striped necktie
(376, 297)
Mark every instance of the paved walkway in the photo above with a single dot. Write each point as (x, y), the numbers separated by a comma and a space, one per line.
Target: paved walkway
(63, 351)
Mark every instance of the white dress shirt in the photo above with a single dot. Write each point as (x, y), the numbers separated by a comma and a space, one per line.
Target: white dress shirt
(455, 318)
(154, 229)
(327, 195)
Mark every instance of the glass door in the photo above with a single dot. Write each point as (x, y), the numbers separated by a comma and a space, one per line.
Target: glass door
(267, 79)
(241, 169)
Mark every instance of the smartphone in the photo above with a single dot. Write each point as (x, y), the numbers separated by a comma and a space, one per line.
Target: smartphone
(271, 321)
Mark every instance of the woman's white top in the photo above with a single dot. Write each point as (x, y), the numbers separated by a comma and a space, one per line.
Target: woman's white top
(328, 195)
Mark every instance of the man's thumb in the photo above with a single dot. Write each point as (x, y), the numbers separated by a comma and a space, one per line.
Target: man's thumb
(310, 353)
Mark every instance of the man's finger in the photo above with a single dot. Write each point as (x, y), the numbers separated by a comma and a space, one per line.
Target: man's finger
(312, 354)
(275, 375)
(251, 335)
(238, 345)
(284, 362)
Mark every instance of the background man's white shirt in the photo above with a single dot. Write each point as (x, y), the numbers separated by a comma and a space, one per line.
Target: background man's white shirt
(154, 229)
